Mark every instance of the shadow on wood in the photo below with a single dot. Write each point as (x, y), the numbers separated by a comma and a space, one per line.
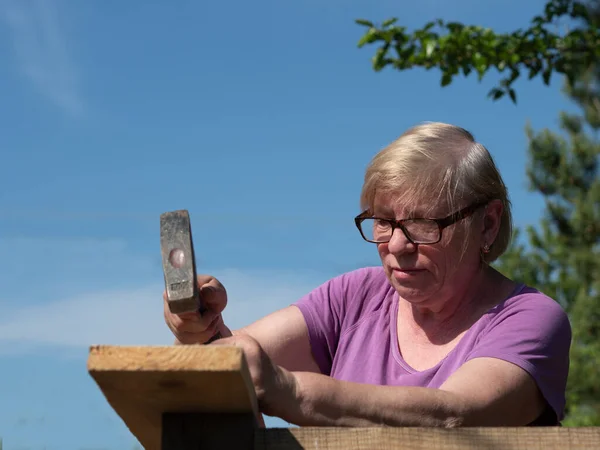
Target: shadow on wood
(181, 431)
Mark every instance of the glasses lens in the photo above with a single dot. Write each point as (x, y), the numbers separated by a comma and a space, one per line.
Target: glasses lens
(376, 230)
(422, 230)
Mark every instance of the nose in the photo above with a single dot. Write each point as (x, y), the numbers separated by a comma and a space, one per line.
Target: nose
(399, 243)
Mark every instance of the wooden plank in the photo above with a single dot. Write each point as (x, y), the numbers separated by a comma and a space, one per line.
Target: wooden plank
(143, 383)
(525, 438)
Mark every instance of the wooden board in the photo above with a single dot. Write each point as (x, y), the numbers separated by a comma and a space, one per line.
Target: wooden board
(143, 383)
(206, 396)
(525, 438)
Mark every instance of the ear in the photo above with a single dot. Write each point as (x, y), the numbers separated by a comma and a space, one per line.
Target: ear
(491, 223)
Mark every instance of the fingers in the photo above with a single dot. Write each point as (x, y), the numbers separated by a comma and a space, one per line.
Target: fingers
(198, 337)
(195, 323)
(260, 373)
(252, 349)
(190, 321)
(193, 327)
(195, 338)
(212, 293)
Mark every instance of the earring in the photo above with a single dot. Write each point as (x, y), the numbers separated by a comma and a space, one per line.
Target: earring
(486, 248)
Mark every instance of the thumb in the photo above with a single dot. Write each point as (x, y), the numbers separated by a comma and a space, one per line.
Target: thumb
(213, 298)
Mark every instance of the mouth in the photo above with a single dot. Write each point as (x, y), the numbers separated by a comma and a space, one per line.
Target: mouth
(406, 274)
(407, 270)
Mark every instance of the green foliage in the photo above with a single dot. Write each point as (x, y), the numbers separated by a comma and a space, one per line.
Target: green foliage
(563, 255)
(458, 49)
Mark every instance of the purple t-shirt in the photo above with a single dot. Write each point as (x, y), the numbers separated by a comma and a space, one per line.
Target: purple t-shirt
(351, 322)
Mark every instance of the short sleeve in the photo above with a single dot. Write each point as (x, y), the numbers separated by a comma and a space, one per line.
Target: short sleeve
(322, 309)
(534, 333)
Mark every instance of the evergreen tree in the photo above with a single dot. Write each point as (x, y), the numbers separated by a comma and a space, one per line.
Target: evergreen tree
(562, 257)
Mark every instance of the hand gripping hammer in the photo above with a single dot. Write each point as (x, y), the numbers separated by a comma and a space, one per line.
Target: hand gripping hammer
(179, 264)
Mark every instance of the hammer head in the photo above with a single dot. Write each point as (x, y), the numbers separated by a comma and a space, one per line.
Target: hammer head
(178, 261)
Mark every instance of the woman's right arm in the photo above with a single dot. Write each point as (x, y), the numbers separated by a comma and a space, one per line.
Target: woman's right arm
(284, 337)
(282, 334)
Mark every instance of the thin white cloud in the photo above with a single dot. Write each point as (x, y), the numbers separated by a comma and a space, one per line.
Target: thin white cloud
(134, 316)
(84, 291)
(41, 51)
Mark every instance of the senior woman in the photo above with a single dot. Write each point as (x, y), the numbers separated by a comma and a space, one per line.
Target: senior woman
(434, 336)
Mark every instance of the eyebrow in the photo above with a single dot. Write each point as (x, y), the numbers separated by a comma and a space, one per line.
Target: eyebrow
(383, 211)
(388, 213)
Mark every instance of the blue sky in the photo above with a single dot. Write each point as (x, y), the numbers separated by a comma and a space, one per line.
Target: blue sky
(258, 117)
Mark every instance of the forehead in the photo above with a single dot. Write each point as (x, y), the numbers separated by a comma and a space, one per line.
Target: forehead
(397, 204)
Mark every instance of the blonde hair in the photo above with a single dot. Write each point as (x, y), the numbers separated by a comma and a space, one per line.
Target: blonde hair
(443, 163)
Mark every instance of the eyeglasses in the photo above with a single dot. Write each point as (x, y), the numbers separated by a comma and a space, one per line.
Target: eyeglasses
(417, 231)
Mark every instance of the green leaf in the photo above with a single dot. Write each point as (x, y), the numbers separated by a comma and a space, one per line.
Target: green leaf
(388, 22)
(513, 95)
(481, 67)
(455, 27)
(515, 73)
(446, 79)
(429, 45)
(428, 26)
(546, 75)
(364, 22)
(369, 37)
(496, 93)
(379, 58)
(534, 71)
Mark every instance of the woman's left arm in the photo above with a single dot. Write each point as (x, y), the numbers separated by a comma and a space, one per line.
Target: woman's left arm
(518, 368)
(483, 392)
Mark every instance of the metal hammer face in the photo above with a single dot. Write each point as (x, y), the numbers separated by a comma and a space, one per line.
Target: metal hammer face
(178, 261)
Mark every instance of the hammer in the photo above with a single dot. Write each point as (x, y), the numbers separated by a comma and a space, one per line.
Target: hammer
(179, 264)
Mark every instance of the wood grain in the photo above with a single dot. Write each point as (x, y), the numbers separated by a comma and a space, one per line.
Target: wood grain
(554, 438)
(206, 398)
(143, 383)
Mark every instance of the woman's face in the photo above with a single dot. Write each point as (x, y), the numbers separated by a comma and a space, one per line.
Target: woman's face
(428, 274)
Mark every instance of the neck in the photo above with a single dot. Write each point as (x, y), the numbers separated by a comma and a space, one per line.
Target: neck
(453, 310)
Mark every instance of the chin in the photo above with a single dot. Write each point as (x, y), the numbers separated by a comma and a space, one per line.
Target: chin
(412, 293)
